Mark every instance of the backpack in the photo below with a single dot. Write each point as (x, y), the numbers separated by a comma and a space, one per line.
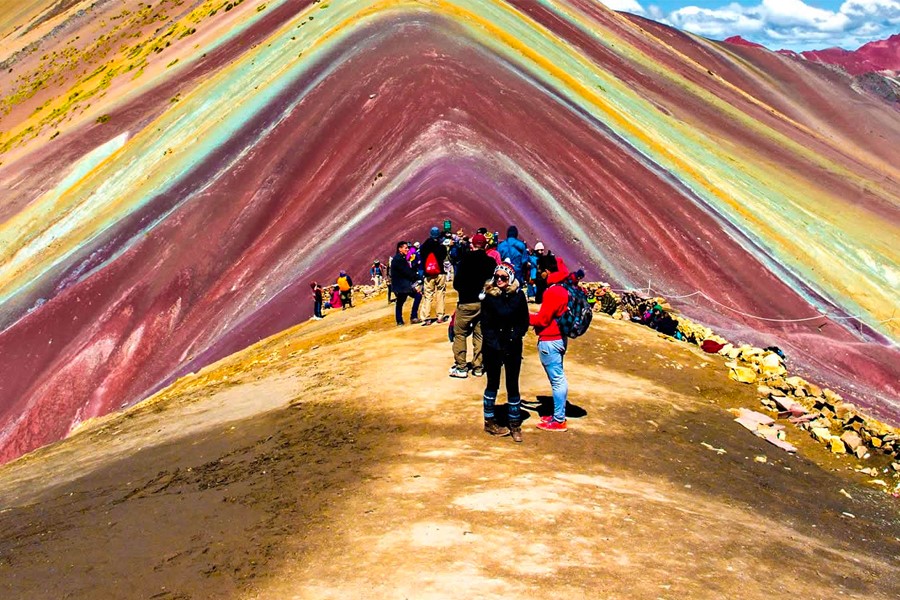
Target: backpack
(577, 318)
(431, 265)
(343, 284)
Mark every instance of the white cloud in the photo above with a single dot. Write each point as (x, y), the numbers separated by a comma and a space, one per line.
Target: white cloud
(792, 24)
(632, 6)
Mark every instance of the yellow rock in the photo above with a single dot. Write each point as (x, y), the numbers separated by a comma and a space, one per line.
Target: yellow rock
(743, 374)
(836, 445)
(770, 360)
(821, 433)
(831, 396)
(813, 390)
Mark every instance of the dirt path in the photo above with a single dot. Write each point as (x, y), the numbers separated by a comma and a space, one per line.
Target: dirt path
(338, 460)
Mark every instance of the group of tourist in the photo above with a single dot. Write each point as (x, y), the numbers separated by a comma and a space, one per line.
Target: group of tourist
(495, 280)
(340, 295)
(491, 277)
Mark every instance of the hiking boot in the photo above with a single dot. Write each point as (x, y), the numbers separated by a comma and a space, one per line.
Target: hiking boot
(515, 431)
(427, 322)
(458, 373)
(444, 319)
(491, 427)
(552, 425)
(477, 372)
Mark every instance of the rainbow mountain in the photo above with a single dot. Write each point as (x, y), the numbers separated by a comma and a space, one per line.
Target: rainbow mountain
(174, 173)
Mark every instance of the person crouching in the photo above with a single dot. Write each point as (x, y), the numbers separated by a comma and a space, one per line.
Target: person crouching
(504, 322)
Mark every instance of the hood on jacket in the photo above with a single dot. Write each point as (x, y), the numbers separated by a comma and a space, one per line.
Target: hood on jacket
(512, 232)
(560, 274)
(491, 289)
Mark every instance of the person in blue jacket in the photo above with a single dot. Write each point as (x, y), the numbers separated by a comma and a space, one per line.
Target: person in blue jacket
(513, 251)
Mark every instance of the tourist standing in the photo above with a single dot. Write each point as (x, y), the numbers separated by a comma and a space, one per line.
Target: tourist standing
(475, 268)
(504, 322)
(377, 273)
(403, 280)
(432, 254)
(546, 264)
(317, 300)
(552, 345)
(514, 251)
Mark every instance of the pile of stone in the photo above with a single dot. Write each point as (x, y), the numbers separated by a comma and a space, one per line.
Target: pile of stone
(822, 412)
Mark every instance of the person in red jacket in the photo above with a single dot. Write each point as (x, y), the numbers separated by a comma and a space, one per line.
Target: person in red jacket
(552, 345)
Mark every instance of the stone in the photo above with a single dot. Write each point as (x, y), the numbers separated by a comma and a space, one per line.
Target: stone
(764, 390)
(796, 382)
(813, 390)
(861, 452)
(821, 433)
(836, 445)
(852, 440)
(779, 384)
(896, 466)
(743, 374)
(875, 441)
(770, 360)
(776, 371)
(831, 396)
(844, 411)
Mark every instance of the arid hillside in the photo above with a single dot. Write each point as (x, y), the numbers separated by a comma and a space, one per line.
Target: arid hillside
(338, 460)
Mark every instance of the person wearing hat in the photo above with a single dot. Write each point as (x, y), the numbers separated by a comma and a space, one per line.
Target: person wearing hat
(513, 250)
(504, 322)
(377, 273)
(474, 269)
(552, 345)
(546, 264)
(432, 254)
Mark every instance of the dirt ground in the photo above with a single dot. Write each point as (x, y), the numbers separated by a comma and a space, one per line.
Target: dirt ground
(338, 460)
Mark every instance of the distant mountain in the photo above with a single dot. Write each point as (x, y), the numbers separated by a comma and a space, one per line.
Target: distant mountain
(880, 55)
(739, 41)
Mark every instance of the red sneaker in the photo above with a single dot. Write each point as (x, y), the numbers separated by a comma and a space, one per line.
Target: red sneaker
(552, 425)
(546, 418)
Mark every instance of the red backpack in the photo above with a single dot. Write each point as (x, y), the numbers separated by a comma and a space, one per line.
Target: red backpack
(431, 265)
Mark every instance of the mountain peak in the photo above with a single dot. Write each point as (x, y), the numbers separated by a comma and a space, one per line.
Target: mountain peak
(874, 56)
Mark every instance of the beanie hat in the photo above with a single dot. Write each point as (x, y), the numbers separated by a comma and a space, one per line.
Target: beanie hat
(512, 232)
(539, 246)
(505, 269)
(435, 232)
(479, 241)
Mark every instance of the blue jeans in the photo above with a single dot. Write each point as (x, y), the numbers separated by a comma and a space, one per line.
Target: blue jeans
(551, 354)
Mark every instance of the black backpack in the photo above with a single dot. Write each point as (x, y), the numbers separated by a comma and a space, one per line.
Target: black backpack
(577, 318)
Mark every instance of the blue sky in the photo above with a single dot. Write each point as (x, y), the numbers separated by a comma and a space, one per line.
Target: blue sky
(791, 24)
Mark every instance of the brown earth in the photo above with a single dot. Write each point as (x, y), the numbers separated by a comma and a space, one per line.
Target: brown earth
(338, 460)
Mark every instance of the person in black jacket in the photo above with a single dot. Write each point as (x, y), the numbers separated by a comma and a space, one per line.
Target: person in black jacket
(504, 322)
(546, 264)
(474, 269)
(403, 281)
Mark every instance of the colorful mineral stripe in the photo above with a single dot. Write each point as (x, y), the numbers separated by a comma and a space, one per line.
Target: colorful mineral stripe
(175, 173)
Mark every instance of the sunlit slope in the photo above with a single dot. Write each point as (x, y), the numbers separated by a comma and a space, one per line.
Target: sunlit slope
(175, 173)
